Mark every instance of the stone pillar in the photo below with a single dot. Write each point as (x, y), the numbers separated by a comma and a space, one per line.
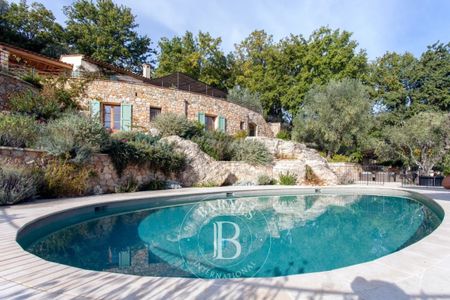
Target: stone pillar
(4, 59)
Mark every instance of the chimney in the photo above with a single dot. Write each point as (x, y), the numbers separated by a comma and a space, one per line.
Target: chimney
(146, 71)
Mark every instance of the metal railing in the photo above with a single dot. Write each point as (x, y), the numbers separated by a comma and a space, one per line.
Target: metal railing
(380, 175)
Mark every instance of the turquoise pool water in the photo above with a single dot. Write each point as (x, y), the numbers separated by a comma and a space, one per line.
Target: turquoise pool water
(262, 236)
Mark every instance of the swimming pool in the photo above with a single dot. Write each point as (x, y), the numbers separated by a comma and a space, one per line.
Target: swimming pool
(233, 235)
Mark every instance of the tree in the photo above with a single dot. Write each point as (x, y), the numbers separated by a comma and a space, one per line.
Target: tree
(327, 54)
(107, 32)
(432, 78)
(32, 27)
(200, 57)
(254, 69)
(421, 141)
(245, 98)
(336, 116)
(284, 72)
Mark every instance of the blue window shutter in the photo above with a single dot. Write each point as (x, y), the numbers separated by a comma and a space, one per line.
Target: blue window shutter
(94, 108)
(126, 112)
(222, 124)
(202, 118)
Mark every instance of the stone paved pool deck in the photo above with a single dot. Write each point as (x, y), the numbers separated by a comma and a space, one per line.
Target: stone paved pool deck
(420, 271)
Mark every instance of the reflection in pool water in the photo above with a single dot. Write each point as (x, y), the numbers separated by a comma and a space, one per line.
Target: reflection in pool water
(243, 237)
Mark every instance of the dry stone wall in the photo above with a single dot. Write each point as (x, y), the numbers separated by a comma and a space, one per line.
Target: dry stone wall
(144, 96)
(105, 178)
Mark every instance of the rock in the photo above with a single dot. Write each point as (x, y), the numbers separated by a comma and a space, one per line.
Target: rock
(245, 183)
(153, 132)
(293, 157)
(290, 157)
(201, 168)
(173, 185)
(282, 149)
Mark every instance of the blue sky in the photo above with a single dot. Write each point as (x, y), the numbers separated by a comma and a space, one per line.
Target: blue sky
(378, 26)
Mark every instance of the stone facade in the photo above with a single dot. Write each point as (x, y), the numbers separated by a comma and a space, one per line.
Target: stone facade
(144, 96)
(10, 85)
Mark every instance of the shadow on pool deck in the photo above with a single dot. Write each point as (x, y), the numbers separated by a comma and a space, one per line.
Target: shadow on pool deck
(269, 288)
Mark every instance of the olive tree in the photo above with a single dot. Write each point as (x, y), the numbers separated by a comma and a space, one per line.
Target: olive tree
(422, 140)
(335, 116)
(246, 98)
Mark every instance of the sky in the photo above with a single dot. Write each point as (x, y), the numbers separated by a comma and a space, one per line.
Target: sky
(377, 25)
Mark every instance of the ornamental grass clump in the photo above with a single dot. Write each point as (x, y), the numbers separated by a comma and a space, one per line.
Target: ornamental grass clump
(17, 185)
(252, 152)
(64, 179)
(287, 179)
(75, 137)
(266, 180)
(18, 131)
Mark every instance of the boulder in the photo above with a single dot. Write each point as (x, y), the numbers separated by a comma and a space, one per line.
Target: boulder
(201, 169)
(293, 157)
(289, 156)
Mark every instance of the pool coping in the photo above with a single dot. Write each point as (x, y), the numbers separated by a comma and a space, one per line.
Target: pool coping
(422, 269)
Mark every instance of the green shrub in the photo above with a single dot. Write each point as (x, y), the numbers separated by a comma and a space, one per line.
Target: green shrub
(135, 136)
(123, 154)
(173, 124)
(33, 79)
(241, 134)
(216, 144)
(48, 104)
(17, 185)
(158, 157)
(74, 136)
(284, 135)
(340, 158)
(287, 179)
(266, 180)
(18, 131)
(206, 184)
(162, 157)
(252, 152)
(65, 179)
(153, 185)
(127, 185)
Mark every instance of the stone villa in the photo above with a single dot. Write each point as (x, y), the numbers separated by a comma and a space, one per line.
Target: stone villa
(125, 100)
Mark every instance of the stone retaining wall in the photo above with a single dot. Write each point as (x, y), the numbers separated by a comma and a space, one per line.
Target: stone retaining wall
(104, 181)
(10, 85)
(144, 96)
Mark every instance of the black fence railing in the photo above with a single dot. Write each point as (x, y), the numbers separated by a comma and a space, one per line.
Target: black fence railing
(380, 175)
